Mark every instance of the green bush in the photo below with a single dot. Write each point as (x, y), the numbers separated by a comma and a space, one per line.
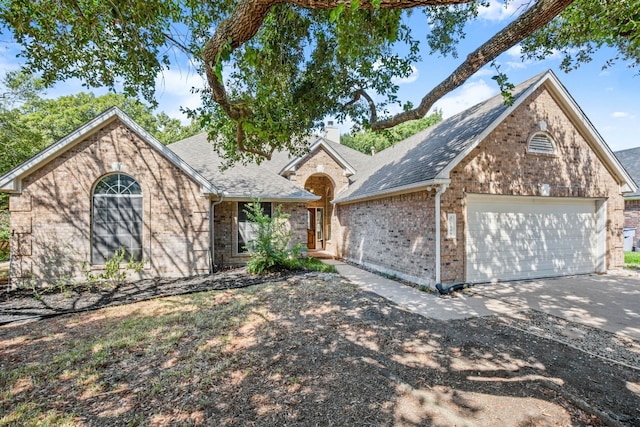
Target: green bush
(269, 250)
(5, 235)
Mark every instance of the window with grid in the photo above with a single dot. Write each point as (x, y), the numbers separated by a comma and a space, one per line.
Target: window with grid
(246, 228)
(116, 219)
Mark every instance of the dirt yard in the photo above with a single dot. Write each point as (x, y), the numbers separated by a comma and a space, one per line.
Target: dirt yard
(309, 350)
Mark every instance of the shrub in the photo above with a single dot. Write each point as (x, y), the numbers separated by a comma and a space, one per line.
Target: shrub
(114, 273)
(270, 248)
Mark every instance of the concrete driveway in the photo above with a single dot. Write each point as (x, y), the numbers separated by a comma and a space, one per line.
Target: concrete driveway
(610, 302)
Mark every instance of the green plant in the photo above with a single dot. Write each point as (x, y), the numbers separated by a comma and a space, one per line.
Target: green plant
(632, 259)
(269, 249)
(5, 235)
(114, 272)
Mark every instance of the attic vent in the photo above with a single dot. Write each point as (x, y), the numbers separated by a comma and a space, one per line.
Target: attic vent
(541, 143)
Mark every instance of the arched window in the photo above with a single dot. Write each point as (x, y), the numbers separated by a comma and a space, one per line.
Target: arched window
(116, 220)
(541, 143)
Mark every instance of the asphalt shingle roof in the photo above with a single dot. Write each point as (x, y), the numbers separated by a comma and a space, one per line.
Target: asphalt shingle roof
(264, 180)
(423, 156)
(239, 181)
(630, 159)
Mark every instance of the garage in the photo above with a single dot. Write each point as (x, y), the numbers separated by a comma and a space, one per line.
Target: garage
(511, 238)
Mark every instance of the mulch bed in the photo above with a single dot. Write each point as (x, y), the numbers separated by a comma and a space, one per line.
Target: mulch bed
(24, 304)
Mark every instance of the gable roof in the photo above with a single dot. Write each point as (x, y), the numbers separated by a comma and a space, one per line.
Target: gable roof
(630, 159)
(240, 182)
(427, 158)
(349, 159)
(11, 181)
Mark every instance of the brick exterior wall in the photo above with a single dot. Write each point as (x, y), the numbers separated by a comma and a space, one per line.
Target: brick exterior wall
(632, 216)
(396, 234)
(51, 216)
(309, 173)
(225, 231)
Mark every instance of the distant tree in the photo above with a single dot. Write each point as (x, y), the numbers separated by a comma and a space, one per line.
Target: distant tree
(275, 68)
(30, 122)
(365, 141)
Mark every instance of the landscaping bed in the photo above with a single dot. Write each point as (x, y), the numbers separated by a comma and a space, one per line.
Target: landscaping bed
(304, 349)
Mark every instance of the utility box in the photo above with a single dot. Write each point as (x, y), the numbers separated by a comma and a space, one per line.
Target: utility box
(629, 236)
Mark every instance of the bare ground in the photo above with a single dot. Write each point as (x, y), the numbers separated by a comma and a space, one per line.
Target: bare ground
(307, 350)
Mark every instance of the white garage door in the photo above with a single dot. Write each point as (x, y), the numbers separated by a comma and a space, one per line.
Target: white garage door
(528, 237)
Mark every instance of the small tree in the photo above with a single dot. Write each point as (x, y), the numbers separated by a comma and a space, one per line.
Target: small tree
(270, 248)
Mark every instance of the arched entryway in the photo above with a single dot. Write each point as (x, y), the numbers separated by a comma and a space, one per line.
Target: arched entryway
(319, 212)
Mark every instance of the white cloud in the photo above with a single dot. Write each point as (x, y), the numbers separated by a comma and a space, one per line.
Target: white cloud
(484, 72)
(496, 11)
(409, 79)
(174, 90)
(468, 95)
(622, 115)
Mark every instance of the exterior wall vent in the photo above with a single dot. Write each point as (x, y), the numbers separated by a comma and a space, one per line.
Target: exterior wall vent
(541, 143)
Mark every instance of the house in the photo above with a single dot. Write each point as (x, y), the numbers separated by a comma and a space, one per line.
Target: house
(496, 192)
(630, 159)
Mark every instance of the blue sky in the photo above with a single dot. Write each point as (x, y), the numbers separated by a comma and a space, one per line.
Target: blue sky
(610, 98)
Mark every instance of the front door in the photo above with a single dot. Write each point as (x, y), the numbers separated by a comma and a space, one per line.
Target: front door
(311, 228)
(315, 228)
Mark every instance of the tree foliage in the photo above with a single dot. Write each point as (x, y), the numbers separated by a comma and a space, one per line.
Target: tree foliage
(586, 26)
(370, 141)
(30, 122)
(276, 69)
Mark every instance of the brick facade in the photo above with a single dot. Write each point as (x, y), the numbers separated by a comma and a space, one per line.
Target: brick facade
(396, 234)
(318, 172)
(225, 231)
(632, 215)
(51, 217)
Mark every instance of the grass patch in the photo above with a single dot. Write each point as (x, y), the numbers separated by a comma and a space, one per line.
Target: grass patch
(632, 259)
(164, 358)
(312, 264)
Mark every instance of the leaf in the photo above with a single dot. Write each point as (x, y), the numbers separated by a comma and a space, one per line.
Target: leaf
(355, 4)
(334, 15)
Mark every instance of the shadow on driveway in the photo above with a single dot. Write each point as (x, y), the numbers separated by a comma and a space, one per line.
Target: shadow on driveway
(610, 302)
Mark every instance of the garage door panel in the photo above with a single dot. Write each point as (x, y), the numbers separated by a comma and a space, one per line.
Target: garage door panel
(514, 237)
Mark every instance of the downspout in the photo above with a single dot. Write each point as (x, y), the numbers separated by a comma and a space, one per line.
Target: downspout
(447, 289)
(212, 205)
(441, 189)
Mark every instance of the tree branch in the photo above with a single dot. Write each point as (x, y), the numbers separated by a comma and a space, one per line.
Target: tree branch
(372, 105)
(240, 139)
(246, 20)
(248, 16)
(541, 13)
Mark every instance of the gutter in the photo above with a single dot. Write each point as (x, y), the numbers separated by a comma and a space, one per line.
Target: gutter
(212, 205)
(441, 189)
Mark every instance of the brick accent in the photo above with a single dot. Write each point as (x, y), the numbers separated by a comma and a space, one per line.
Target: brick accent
(396, 234)
(314, 172)
(51, 216)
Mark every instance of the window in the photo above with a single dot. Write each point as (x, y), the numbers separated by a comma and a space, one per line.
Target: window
(246, 231)
(541, 143)
(116, 220)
